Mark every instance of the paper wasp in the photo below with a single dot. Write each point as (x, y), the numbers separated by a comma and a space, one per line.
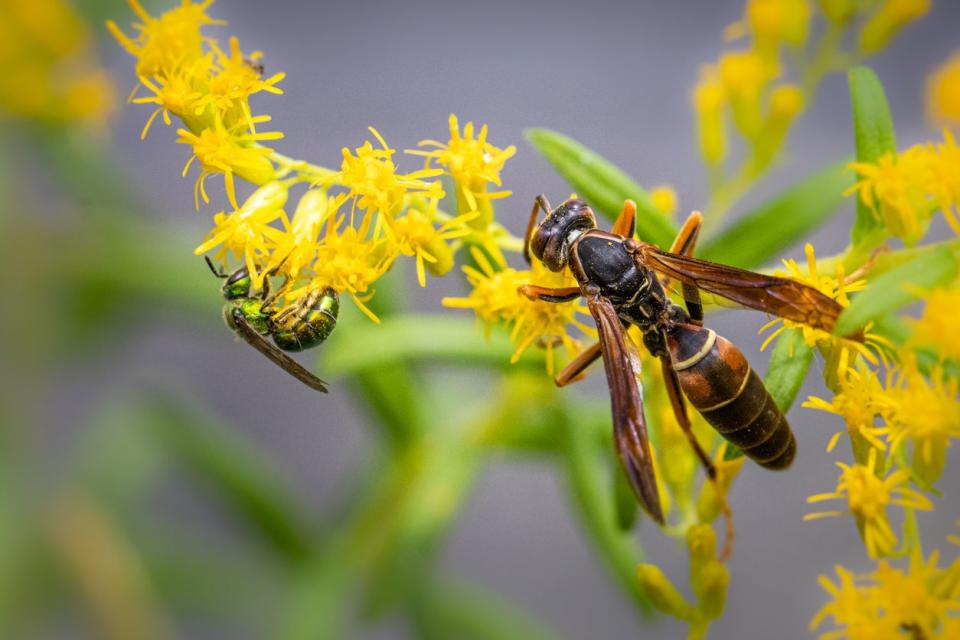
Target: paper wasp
(300, 326)
(618, 276)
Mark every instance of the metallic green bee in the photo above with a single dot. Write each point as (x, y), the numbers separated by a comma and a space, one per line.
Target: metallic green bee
(300, 326)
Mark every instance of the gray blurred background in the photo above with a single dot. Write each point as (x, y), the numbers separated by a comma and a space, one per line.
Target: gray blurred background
(614, 75)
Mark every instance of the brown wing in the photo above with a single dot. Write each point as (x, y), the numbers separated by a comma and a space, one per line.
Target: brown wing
(285, 362)
(779, 296)
(622, 365)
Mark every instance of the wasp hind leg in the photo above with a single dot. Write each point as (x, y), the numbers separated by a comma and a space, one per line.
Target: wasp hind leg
(680, 411)
(684, 244)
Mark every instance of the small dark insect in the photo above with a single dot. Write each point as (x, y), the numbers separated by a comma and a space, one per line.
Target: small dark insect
(257, 66)
(618, 276)
(295, 328)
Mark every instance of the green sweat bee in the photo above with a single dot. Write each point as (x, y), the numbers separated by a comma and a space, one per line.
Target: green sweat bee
(297, 327)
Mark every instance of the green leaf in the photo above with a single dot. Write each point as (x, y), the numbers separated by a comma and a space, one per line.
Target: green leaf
(788, 368)
(601, 183)
(897, 288)
(236, 472)
(873, 135)
(766, 232)
(419, 337)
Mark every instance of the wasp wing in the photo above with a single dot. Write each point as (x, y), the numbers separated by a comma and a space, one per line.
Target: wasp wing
(622, 365)
(285, 362)
(785, 298)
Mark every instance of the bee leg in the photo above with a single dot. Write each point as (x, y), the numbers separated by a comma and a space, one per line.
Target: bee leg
(574, 372)
(672, 383)
(684, 244)
(626, 223)
(540, 202)
(565, 294)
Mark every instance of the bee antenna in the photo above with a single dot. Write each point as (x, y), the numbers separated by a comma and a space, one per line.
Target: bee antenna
(217, 273)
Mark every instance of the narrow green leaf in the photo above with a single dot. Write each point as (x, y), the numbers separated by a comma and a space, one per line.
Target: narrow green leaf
(419, 337)
(601, 183)
(236, 472)
(788, 368)
(873, 135)
(897, 288)
(766, 232)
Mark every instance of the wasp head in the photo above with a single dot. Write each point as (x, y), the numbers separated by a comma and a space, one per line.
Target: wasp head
(551, 240)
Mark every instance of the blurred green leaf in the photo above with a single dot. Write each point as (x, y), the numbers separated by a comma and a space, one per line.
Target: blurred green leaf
(873, 135)
(236, 472)
(788, 368)
(897, 288)
(467, 612)
(625, 503)
(419, 337)
(601, 183)
(764, 233)
(590, 489)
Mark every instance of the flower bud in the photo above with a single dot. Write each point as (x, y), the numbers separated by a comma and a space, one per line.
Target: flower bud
(663, 594)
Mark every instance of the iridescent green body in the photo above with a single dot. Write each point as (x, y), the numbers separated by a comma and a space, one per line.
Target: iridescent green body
(300, 326)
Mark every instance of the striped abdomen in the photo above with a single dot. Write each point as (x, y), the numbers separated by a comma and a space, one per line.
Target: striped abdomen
(722, 386)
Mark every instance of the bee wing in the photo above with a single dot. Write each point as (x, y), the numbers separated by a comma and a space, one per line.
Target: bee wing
(785, 298)
(622, 365)
(285, 362)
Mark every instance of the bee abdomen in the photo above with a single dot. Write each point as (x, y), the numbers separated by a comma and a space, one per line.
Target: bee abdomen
(722, 386)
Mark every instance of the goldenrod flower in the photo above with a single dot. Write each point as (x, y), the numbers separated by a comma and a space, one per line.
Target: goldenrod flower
(350, 260)
(415, 235)
(842, 352)
(744, 75)
(854, 609)
(163, 44)
(296, 250)
(867, 499)
(943, 92)
(921, 597)
(927, 414)
(894, 189)
(176, 93)
(247, 232)
(860, 400)
(774, 22)
(471, 161)
(937, 327)
(496, 299)
(943, 177)
(233, 82)
(372, 178)
(229, 153)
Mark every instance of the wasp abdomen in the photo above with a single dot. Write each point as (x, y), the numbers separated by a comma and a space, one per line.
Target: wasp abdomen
(721, 385)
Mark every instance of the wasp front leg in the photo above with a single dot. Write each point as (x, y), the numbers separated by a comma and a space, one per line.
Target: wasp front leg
(548, 294)
(684, 244)
(626, 223)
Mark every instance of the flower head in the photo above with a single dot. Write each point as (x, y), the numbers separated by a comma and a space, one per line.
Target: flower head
(859, 401)
(496, 298)
(868, 497)
(943, 92)
(893, 188)
(936, 328)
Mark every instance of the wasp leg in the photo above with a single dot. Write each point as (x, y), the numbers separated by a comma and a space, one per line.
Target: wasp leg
(672, 383)
(684, 244)
(574, 371)
(546, 294)
(626, 223)
(540, 202)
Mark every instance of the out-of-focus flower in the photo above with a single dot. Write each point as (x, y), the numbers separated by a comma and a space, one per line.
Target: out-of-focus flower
(772, 23)
(868, 497)
(889, 19)
(893, 187)
(664, 199)
(943, 92)
(50, 72)
(709, 99)
(937, 327)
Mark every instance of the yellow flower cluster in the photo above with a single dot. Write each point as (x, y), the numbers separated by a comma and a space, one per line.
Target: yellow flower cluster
(50, 72)
(351, 224)
(496, 299)
(922, 601)
(943, 92)
(904, 190)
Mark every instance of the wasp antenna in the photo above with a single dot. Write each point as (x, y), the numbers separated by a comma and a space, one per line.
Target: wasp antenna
(540, 202)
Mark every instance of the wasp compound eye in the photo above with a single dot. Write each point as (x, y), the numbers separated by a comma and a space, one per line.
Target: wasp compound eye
(552, 240)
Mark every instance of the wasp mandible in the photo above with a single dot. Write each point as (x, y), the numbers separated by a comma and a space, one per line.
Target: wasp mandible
(618, 276)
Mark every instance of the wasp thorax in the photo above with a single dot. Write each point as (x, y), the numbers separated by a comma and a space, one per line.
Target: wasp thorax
(553, 237)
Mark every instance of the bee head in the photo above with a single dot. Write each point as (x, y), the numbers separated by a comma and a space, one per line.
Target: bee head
(551, 239)
(237, 285)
